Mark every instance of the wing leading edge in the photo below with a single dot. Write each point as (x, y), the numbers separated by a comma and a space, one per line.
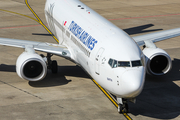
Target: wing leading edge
(157, 36)
(55, 49)
(62, 51)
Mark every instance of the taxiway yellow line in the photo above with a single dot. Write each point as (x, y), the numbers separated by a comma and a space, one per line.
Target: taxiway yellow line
(111, 99)
(127, 116)
(39, 20)
(104, 91)
(18, 14)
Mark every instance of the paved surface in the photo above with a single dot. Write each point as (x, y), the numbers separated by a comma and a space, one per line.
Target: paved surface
(71, 94)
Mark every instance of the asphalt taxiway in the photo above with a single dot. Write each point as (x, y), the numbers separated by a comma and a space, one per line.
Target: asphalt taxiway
(71, 94)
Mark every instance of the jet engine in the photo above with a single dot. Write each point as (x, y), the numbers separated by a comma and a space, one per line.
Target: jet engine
(158, 62)
(31, 66)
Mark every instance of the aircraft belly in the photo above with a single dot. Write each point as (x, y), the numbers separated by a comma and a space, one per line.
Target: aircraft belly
(83, 61)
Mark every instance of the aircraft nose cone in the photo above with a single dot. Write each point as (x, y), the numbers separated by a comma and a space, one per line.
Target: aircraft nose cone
(132, 83)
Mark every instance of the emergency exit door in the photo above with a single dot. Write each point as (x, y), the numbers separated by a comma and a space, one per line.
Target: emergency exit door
(98, 60)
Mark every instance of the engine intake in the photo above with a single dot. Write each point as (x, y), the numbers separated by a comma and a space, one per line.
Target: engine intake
(31, 66)
(158, 61)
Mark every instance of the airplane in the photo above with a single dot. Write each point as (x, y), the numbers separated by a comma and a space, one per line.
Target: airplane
(108, 54)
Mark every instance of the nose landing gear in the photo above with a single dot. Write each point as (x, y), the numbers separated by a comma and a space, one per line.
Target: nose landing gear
(122, 106)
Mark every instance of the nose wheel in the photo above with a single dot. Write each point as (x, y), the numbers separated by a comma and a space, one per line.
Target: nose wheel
(123, 105)
(123, 108)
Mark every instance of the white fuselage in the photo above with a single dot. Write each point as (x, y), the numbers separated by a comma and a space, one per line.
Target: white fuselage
(106, 52)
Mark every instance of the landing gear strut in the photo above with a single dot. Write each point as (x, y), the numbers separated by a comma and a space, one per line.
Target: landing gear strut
(123, 105)
(52, 64)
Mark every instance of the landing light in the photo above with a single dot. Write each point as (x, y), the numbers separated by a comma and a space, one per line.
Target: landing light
(64, 53)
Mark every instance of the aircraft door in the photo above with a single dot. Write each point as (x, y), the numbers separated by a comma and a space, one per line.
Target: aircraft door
(98, 59)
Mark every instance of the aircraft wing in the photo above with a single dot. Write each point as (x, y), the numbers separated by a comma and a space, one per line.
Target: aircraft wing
(55, 49)
(157, 36)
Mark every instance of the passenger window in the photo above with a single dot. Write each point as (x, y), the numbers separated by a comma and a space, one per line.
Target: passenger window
(123, 64)
(110, 62)
(136, 63)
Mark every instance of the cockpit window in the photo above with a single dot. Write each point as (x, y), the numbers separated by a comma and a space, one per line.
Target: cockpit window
(136, 63)
(114, 63)
(124, 64)
(110, 62)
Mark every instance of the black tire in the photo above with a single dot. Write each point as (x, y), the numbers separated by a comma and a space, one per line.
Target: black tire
(123, 108)
(120, 108)
(126, 108)
(54, 67)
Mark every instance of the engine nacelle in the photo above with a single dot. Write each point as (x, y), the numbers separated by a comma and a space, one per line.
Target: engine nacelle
(158, 62)
(31, 66)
